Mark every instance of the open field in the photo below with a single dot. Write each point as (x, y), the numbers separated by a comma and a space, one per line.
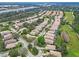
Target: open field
(72, 45)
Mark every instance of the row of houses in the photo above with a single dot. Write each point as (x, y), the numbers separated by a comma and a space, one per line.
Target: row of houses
(36, 31)
(50, 35)
(57, 13)
(49, 13)
(41, 26)
(34, 16)
(41, 13)
(8, 39)
(18, 24)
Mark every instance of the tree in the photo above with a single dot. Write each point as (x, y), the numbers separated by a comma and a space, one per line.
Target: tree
(41, 41)
(15, 36)
(1, 25)
(63, 22)
(25, 24)
(34, 51)
(58, 32)
(19, 45)
(5, 27)
(1, 44)
(25, 31)
(23, 52)
(14, 52)
(64, 49)
(29, 46)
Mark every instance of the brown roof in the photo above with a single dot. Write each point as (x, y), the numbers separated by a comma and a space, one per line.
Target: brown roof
(51, 47)
(49, 41)
(49, 37)
(5, 33)
(10, 41)
(8, 36)
(12, 45)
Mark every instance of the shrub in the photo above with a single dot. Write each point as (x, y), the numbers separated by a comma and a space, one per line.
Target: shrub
(64, 49)
(32, 49)
(19, 45)
(25, 31)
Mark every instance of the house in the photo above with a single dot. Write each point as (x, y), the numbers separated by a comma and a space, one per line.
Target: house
(61, 15)
(55, 53)
(39, 28)
(54, 13)
(54, 27)
(8, 39)
(50, 47)
(51, 32)
(18, 24)
(52, 53)
(5, 33)
(46, 54)
(50, 37)
(12, 45)
(47, 41)
(57, 13)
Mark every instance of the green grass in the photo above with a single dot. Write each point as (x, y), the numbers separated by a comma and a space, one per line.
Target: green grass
(69, 17)
(73, 45)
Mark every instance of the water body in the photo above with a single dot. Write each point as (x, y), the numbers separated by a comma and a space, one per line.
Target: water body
(42, 3)
(35, 4)
(19, 9)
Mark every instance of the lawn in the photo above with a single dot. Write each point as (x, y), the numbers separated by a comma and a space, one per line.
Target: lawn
(69, 17)
(73, 45)
(74, 41)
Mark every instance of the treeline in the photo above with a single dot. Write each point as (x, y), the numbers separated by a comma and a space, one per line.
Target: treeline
(17, 15)
(62, 8)
(76, 21)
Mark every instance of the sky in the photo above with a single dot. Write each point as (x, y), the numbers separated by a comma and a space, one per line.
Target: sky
(39, 0)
